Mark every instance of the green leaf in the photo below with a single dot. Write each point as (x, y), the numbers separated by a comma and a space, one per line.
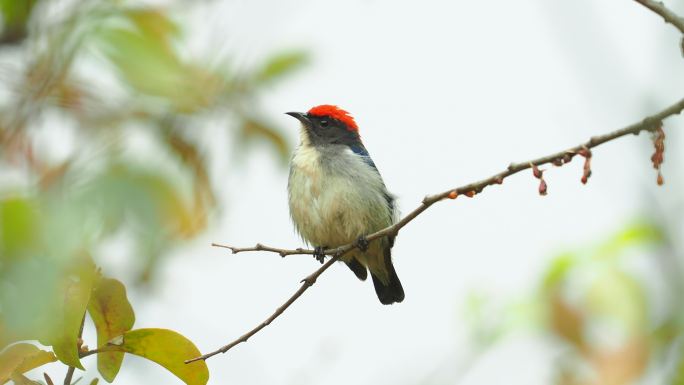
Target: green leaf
(14, 15)
(19, 227)
(153, 22)
(280, 65)
(679, 370)
(142, 52)
(168, 349)
(618, 296)
(560, 266)
(94, 381)
(74, 296)
(113, 315)
(21, 358)
(16, 12)
(636, 234)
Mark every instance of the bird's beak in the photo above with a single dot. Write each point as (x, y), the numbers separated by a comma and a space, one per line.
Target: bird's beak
(301, 117)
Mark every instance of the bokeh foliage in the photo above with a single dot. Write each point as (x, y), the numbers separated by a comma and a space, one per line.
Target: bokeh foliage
(597, 306)
(103, 116)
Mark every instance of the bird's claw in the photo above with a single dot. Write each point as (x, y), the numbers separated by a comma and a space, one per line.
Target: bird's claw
(362, 243)
(318, 254)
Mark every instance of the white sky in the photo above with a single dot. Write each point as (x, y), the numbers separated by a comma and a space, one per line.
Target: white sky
(445, 93)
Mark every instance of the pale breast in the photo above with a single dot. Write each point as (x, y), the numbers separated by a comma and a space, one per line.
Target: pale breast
(335, 199)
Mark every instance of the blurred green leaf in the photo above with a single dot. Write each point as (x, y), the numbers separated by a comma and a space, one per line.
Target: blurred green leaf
(150, 201)
(15, 15)
(637, 233)
(557, 271)
(620, 297)
(94, 381)
(281, 65)
(168, 349)
(20, 358)
(678, 377)
(145, 58)
(154, 23)
(113, 315)
(73, 297)
(154, 206)
(19, 227)
(253, 129)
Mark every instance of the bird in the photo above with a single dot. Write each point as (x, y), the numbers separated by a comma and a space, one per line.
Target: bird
(337, 196)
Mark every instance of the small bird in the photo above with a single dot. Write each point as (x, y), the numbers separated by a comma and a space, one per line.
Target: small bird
(337, 196)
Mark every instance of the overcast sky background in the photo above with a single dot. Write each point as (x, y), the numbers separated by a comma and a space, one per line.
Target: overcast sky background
(445, 93)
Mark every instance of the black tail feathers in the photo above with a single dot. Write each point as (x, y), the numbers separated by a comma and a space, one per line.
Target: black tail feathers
(358, 269)
(392, 291)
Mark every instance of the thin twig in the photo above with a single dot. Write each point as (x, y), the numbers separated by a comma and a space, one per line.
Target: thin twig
(648, 124)
(306, 283)
(260, 247)
(667, 15)
(90, 352)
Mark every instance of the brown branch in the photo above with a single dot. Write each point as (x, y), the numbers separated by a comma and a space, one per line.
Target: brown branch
(69, 375)
(260, 247)
(650, 123)
(306, 283)
(90, 352)
(667, 15)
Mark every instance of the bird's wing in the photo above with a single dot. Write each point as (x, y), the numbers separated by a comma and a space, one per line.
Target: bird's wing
(361, 151)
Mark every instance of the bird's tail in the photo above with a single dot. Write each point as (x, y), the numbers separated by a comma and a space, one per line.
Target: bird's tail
(392, 291)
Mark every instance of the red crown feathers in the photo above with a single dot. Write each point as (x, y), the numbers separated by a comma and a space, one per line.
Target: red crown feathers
(335, 112)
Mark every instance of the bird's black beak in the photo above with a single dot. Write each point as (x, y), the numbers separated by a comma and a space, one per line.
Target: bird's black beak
(301, 117)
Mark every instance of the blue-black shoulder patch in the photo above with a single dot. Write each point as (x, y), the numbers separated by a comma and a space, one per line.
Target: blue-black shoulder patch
(358, 149)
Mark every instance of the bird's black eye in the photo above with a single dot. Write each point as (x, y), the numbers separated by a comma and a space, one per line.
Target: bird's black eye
(324, 123)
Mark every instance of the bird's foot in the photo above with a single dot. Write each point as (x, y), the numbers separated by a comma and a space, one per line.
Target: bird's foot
(362, 243)
(318, 253)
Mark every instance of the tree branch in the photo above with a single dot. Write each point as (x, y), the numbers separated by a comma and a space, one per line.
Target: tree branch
(667, 15)
(306, 283)
(652, 123)
(260, 247)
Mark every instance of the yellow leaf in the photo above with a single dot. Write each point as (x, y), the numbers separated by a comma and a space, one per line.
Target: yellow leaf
(20, 379)
(113, 315)
(21, 358)
(168, 349)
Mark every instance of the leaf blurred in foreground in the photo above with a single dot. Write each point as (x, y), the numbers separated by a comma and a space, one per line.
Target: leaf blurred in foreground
(20, 358)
